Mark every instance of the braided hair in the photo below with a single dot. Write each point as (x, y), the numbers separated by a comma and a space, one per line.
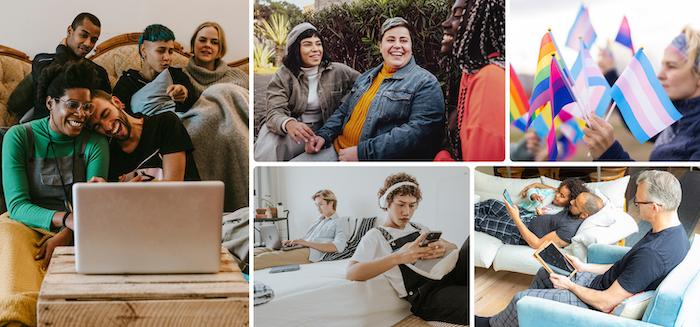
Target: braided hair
(481, 36)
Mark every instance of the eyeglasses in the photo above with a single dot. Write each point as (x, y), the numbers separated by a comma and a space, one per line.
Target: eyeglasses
(637, 203)
(75, 106)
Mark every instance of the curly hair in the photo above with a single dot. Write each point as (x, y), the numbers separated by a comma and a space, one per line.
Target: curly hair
(61, 76)
(481, 36)
(402, 190)
(575, 186)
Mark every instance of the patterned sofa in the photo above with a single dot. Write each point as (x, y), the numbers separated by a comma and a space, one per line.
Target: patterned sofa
(116, 55)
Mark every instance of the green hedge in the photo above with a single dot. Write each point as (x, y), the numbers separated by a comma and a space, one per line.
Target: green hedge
(351, 31)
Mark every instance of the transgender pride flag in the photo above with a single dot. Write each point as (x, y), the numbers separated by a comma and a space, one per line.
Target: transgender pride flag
(590, 84)
(644, 104)
(582, 29)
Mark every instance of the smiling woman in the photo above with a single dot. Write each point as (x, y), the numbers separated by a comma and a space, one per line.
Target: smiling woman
(393, 112)
(205, 67)
(41, 160)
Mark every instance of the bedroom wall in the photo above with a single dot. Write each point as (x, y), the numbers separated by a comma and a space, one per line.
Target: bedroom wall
(37, 26)
(445, 204)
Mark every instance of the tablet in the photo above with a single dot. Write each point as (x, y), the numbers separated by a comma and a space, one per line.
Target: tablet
(554, 261)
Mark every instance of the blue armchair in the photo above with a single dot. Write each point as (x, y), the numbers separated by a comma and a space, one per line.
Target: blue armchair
(676, 303)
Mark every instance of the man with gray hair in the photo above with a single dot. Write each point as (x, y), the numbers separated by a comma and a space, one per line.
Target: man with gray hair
(603, 287)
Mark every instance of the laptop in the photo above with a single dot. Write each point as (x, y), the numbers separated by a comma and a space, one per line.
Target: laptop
(148, 228)
(270, 236)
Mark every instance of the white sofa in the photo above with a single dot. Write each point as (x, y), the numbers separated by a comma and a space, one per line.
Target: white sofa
(609, 226)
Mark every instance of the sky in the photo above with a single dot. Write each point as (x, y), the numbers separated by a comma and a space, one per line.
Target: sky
(301, 3)
(653, 24)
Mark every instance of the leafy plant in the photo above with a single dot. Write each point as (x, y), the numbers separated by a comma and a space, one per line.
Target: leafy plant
(262, 55)
(275, 30)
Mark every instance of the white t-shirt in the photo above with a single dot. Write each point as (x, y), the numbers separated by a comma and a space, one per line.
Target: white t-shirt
(374, 246)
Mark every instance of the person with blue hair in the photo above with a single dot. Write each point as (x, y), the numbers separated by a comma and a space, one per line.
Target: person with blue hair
(156, 47)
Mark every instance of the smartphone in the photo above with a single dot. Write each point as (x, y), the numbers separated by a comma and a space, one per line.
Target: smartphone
(506, 195)
(432, 237)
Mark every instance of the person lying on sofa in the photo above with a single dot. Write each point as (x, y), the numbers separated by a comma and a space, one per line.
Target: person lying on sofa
(643, 268)
(395, 251)
(143, 148)
(156, 47)
(559, 228)
(326, 235)
(81, 37)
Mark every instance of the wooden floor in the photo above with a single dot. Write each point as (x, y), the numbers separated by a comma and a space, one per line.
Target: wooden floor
(494, 289)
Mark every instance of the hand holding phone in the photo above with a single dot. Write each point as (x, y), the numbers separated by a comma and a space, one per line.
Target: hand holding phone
(432, 237)
(506, 195)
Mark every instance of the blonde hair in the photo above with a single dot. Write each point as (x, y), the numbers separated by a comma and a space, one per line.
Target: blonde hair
(222, 37)
(692, 39)
(326, 195)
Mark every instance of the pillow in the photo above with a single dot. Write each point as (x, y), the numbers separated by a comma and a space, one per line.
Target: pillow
(153, 97)
(634, 306)
(491, 187)
(614, 190)
(362, 226)
(607, 226)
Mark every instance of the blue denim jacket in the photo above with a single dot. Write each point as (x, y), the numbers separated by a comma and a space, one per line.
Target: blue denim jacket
(404, 121)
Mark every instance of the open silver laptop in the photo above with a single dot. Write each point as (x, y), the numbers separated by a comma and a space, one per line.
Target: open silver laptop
(148, 228)
(270, 236)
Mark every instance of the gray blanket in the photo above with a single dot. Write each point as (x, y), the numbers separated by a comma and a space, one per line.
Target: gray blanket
(218, 126)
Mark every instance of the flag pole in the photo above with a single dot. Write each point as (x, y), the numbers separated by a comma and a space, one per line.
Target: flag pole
(610, 110)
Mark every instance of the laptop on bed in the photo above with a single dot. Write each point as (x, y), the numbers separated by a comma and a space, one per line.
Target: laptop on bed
(148, 228)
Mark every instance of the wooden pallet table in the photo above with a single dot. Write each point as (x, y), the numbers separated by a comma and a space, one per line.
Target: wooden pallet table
(71, 299)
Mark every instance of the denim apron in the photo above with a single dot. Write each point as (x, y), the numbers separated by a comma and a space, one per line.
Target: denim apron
(46, 189)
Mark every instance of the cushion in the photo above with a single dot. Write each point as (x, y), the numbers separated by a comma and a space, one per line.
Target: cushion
(676, 295)
(485, 250)
(607, 226)
(634, 306)
(613, 190)
(153, 98)
(491, 187)
(12, 72)
(516, 258)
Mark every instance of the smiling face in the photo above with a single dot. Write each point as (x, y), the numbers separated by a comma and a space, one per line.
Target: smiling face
(400, 210)
(311, 51)
(110, 120)
(83, 39)
(206, 46)
(677, 77)
(67, 120)
(396, 47)
(450, 26)
(157, 54)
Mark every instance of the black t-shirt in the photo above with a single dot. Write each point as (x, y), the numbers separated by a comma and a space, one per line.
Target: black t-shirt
(131, 81)
(162, 134)
(648, 262)
(563, 223)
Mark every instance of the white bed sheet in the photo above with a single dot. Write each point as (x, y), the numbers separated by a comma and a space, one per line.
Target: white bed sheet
(319, 295)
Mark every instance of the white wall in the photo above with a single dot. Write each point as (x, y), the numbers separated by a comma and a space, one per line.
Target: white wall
(445, 204)
(37, 26)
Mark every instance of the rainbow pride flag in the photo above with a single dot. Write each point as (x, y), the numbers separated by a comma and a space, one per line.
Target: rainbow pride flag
(590, 85)
(582, 28)
(562, 97)
(644, 104)
(540, 91)
(519, 107)
(624, 34)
